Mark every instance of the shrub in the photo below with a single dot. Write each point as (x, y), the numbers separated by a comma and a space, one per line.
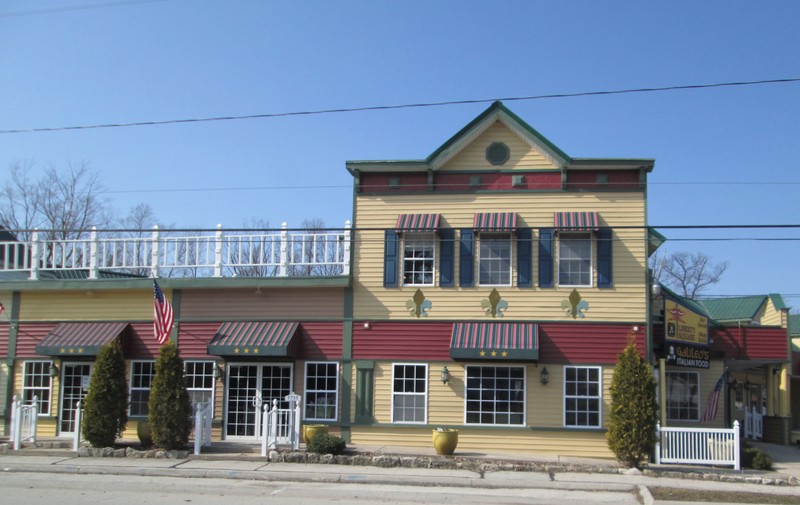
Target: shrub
(105, 408)
(170, 407)
(632, 421)
(755, 458)
(324, 443)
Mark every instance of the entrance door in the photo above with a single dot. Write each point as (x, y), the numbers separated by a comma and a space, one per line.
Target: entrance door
(249, 387)
(74, 383)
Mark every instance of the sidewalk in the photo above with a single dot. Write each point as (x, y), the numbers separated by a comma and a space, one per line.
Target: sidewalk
(238, 461)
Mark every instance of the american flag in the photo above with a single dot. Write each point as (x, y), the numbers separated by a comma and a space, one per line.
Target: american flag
(163, 316)
(713, 399)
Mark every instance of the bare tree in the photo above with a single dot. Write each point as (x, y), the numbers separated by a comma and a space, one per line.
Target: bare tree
(138, 225)
(64, 204)
(687, 273)
(254, 248)
(318, 251)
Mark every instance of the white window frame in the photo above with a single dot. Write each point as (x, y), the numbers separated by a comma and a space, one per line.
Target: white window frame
(524, 393)
(28, 392)
(413, 242)
(500, 237)
(598, 397)
(131, 388)
(693, 398)
(414, 394)
(328, 392)
(576, 235)
(202, 376)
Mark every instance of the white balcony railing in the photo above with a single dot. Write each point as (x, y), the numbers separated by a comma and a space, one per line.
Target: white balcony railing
(272, 253)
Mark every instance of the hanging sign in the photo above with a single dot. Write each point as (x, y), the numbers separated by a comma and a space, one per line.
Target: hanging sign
(688, 356)
(684, 325)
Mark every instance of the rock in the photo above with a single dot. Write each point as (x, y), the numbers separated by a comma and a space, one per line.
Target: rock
(327, 459)
(361, 460)
(275, 457)
(631, 471)
(385, 461)
(84, 452)
(119, 453)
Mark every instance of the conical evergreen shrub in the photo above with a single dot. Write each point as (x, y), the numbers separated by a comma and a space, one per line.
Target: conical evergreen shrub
(170, 407)
(105, 410)
(631, 432)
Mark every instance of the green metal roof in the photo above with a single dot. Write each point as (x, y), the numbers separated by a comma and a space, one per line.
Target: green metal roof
(794, 325)
(742, 308)
(777, 301)
(654, 240)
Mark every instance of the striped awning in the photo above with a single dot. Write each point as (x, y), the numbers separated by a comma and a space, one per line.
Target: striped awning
(80, 339)
(503, 341)
(495, 221)
(253, 339)
(588, 221)
(417, 222)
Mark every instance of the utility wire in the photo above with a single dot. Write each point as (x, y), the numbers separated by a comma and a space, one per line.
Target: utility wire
(407, 106)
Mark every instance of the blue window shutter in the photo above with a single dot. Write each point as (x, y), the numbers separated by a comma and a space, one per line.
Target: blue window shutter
(604, 246)
(390, 260)
(447, 249)
(467, 259)
(546, 258)
(524, 258)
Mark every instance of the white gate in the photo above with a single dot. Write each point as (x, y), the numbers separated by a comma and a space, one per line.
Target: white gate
(23, 421)
(753, 424)
(281, 426)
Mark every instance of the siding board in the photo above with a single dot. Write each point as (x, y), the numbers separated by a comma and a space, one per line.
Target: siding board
(262, 304)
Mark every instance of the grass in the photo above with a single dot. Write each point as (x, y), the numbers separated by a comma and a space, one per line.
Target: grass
(696, 495)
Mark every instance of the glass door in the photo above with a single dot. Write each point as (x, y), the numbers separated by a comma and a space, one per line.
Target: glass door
(74, 384)
(250, 386)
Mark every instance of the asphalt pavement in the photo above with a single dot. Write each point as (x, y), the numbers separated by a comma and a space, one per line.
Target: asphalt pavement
(235, 461)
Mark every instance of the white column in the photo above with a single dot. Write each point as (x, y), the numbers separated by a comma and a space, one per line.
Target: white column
(218, 252)
(93, 253)
(154, 253)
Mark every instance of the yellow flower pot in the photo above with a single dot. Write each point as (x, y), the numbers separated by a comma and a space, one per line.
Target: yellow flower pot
(445, 441)
(311, 430)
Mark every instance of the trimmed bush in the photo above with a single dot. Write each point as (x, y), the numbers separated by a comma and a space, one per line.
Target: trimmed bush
(634, 412)
(324, 443)
(105, 408)
(755, 458)
(170, 407)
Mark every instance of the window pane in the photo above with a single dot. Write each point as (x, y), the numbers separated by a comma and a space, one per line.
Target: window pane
(682, 396)
(418, 258)
(321, 394)
(501, 391)
(141, 378)
(582, 396)
(575, 259)
(409, 393)
(494, 259)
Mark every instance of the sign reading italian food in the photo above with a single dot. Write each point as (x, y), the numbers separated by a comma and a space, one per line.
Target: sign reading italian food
(684, 325)
(688, 356)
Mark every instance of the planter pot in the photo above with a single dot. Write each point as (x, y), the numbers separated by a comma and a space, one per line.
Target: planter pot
(445, 441)
(311, 430)
(144, 434)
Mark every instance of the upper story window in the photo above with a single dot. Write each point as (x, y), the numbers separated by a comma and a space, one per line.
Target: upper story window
(419, 258)
(494, 259)
(575, 259)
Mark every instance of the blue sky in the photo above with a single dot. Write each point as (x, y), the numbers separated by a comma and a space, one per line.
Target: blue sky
(86, 62)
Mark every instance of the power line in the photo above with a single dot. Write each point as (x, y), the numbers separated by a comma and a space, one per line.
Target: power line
(406, 106)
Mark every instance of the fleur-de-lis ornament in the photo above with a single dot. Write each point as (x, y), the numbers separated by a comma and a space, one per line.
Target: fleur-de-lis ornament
(418, 306)
(575, 306)
(494, 305)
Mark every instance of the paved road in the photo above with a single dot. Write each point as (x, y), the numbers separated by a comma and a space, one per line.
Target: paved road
(66, 489)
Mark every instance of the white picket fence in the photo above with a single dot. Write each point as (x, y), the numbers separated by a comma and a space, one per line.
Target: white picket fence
(753, 424)
(203, 415)
(698, 446)
(24, 419)
(281, 426)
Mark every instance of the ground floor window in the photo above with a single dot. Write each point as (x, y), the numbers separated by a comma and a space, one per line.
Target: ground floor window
(199, 378)
(495, 395)
(409, 393)
(583, 393)
(683, 399)
(36, 382)
(142, 373)
(321, 391)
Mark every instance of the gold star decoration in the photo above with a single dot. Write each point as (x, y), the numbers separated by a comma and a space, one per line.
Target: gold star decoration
(246, 350)
(80, 350)
(494, 353)
(255, 351)
(71, 350)
(63, 350)
(483, 353)
(505, 354)
(236, 350)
